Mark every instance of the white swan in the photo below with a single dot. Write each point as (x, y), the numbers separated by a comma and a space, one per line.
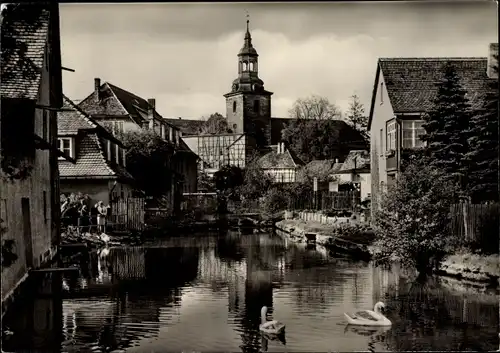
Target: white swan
(273, 327)
(369, 318)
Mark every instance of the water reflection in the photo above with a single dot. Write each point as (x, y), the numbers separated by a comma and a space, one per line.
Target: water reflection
(205, 293)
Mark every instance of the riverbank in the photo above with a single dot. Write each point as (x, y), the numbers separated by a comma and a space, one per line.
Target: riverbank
(351, 238)
(357, 240)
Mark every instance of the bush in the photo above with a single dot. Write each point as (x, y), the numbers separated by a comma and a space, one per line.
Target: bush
(274, 200)
(413, 222)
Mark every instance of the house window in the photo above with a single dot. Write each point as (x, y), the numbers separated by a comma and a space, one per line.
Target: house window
(381, 93)
(45, 207)
(117, 127)
(66, 145)
(45, 125)
(234, 107)
(170, 134)
(412, 131)
(162, 132)
(256, 106)
(381, 141)
(117, 154)
(391, 135)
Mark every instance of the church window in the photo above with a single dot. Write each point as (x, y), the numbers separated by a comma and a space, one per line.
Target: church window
(256, 106)
(251, 66)
(245, 66)
(234, 107)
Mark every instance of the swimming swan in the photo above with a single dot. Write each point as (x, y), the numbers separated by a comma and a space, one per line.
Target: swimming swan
(369, 318)
(273, 327)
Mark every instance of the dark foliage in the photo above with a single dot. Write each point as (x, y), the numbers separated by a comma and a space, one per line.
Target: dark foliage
(149, 160)
(482, 157)
(447, 127)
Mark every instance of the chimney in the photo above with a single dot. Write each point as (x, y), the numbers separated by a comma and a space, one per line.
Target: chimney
(278, 147)
(151, 112)
(492, 61)
(97, 85)
(282, 147)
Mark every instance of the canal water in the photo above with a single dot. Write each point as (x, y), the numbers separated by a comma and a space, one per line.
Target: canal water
(204, 293)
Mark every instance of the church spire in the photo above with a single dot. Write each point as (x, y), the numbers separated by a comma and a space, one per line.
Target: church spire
(248, 48)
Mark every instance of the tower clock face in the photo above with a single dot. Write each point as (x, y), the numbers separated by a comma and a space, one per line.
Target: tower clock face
(235, 87)
(255, 87)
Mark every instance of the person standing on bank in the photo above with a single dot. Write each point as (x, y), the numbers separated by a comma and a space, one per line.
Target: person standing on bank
(102, 212)
(83, 220)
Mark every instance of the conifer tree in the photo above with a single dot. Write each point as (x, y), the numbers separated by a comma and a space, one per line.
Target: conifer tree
(447, 127)
(483, 142)
(356, 115)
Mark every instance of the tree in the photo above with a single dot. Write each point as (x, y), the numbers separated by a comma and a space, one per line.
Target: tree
(482, 156)
(356, 115)
(314, 107)
(447, 127)
(255, 181)
(227, 180)
(215, 124)
(205, 183)
(322, 139)
(148, 160)
(413, 222)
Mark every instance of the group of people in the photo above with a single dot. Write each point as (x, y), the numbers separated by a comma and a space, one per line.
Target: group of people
(99, 211)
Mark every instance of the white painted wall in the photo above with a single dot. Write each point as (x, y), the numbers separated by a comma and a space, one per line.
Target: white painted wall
(382, 112)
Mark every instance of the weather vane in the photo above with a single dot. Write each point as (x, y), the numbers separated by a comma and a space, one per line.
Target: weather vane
(247, 16)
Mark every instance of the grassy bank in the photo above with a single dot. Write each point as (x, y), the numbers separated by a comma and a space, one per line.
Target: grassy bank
(472, 267)
(462, 265)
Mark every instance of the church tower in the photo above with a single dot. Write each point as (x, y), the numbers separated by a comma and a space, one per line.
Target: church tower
(248, 105)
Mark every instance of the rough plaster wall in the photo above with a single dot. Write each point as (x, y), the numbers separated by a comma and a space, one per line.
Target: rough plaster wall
(382, 112)
(32, 188)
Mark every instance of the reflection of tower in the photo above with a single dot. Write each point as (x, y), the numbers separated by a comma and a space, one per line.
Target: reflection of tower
(258, 290)
(248, 105)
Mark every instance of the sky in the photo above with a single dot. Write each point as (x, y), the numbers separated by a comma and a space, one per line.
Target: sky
(184, 55)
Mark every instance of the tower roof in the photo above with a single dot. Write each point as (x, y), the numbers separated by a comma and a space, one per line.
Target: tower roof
(248, 48)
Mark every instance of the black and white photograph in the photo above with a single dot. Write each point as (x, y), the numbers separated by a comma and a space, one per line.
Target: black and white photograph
(250, 176)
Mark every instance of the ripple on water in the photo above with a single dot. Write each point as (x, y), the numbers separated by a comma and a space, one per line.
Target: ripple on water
(211, 301)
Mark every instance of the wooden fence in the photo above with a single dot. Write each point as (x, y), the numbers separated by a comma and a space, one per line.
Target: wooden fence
(479, 227)
(326, 200)
(127, 214)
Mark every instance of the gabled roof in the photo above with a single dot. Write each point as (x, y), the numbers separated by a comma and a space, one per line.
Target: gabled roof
(116, 101)
(187, 126)
(411, 82)
(356, 160)
(21, 75)
(73, 119)
(91, 162)
(272, 159)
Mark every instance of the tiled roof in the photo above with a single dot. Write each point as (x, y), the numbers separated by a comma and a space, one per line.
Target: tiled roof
(21, 76)
(357, 159)
(91, 161)
(73, 118)
(272, 159)
(411, 83)
(323, 166)
(187, 126)
(117, 101)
